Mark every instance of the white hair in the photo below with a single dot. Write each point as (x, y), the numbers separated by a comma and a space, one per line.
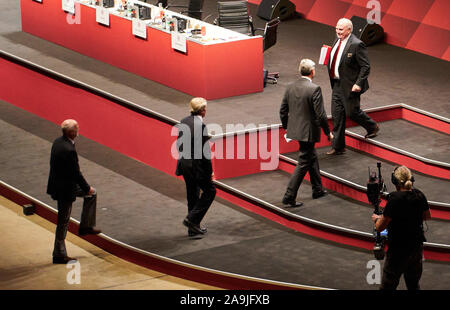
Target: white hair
(347, 22)
(306, 67)
(68, 124)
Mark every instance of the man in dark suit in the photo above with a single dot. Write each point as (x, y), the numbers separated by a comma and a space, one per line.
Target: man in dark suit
(65, 183)
(302, 113)
(194, 164)
(349, 69)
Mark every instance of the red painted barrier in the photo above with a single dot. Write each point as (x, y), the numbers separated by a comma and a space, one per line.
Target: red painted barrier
(101, 120)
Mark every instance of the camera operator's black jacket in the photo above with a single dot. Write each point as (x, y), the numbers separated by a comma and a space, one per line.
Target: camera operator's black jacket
(406, 209)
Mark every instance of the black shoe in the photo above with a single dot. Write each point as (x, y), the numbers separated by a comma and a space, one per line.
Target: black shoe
(192, 233)
(292, 204)
(88, 231)
(62, 260)
(372, 134)
(193, 227)
(336, 152)
(319, 194)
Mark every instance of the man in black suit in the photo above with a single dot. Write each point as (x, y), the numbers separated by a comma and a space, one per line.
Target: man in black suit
(302, 113)
(194, 164)
(349, 69)
(65, 183)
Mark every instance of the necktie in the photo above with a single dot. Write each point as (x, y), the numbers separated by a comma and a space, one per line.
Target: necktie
(333, 63)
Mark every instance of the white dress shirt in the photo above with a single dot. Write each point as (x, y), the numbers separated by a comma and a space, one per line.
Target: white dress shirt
(339, 55)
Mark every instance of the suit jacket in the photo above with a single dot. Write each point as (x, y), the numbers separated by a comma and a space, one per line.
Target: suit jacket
(302, 112)
(65, 174)
(354, 67)
(194, 149)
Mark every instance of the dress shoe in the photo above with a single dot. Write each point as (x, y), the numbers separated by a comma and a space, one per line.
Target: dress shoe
(62, 260)
(192, 233)
(193, 227)
(373, 134)
(336, 152)
(319, 194)
(292, 204)
(88, 231)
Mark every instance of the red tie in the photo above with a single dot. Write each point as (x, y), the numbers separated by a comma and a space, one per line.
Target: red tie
(333, 63)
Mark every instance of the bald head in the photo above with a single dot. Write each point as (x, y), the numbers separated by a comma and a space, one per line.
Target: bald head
(70, 128)
(344, 28)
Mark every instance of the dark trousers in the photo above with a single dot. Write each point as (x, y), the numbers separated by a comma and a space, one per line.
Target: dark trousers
(198, 204)
(343, 106)
(307, 162)
(88, 218)
(406, 262)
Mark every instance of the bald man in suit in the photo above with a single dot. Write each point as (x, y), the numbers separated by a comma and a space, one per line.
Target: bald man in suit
(348, 69)
(65, 183)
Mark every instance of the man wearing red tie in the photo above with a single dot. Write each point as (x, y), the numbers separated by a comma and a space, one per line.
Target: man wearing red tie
(349, 69)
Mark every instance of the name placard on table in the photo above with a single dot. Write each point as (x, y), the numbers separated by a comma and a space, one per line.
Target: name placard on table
(139, 28)
(68, 6)
(102, 16)
(179, 41)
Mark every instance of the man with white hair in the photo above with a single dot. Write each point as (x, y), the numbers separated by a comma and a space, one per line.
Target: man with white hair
(65, 183)
(349, 69)
(302, 114)
(194, 164)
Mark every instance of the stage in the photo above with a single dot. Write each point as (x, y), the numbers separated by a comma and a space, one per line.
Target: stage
(143, 207)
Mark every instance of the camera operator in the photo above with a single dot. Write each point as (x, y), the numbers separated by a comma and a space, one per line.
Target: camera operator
(403, 216)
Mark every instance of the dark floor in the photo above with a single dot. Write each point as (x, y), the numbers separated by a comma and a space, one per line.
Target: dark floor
(435, 189)
(237, 241)
(413, 138)
(153, 206)
(333, 209)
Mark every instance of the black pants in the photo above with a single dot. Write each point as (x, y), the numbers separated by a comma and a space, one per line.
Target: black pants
(406, 262)
(307, 162)
(343, 106)
(198, 204)
(88, 218)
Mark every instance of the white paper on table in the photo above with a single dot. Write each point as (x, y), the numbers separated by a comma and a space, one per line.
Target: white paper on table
(102, 16)
(139, 28)
(68, 6)
(179, 41)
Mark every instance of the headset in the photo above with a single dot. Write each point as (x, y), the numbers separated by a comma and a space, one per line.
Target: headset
(395, 181)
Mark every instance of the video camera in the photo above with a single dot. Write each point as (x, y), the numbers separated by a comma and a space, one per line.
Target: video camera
(375, 188)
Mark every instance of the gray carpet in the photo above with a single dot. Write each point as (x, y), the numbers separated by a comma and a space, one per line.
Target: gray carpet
(413, 138)
(353, 166)
(332, 209)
